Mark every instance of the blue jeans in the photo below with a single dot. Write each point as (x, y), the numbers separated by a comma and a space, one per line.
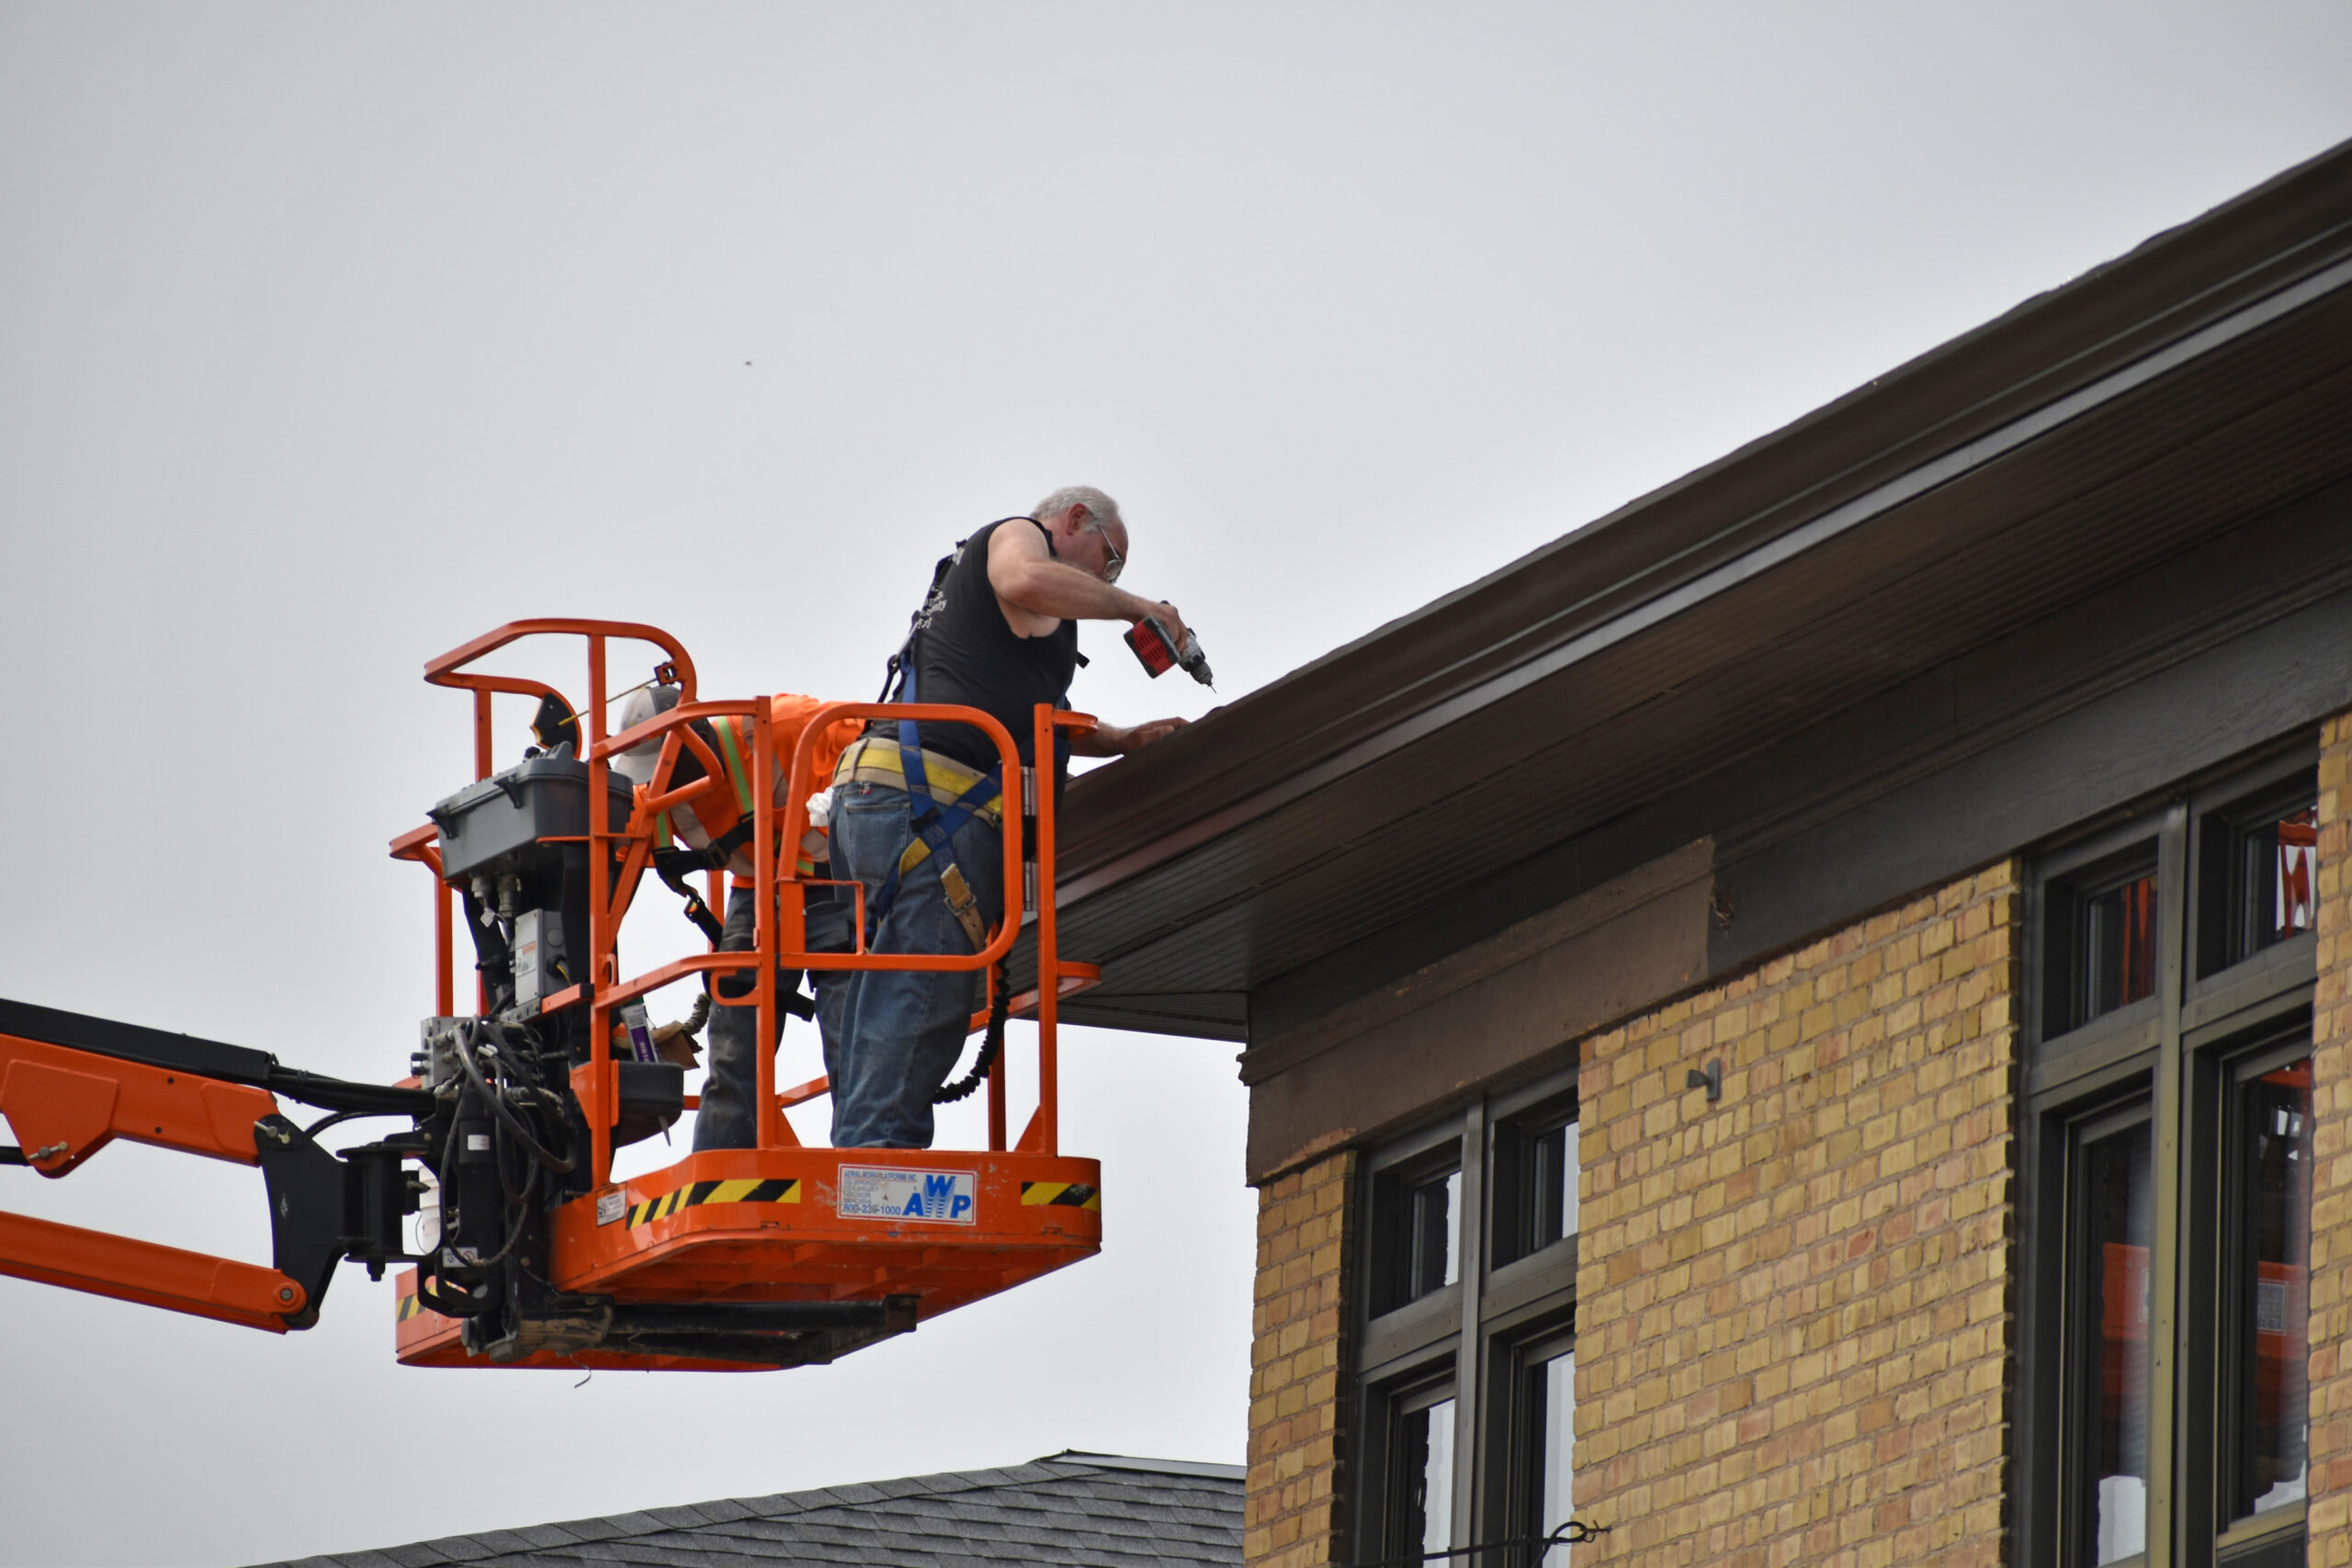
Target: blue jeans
(727, 1119)
(893, 1036)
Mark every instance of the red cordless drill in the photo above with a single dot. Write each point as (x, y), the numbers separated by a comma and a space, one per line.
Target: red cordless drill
(1154, 644)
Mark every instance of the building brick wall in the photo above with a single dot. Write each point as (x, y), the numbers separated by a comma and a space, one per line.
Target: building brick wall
(1298, 1368)
(2331, 1259)
(1793, 1304)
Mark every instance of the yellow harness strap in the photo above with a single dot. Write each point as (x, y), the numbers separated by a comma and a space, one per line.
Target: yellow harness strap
(869, 761)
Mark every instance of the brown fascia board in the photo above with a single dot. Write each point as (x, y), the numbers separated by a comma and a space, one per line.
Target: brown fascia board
(2169, 286)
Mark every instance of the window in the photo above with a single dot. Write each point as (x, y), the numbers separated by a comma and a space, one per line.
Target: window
(2167, 1214)
(2267, 1321)
(2100, 933)
(1420, 1481)
(1543, 1487)
(1466, 1349)
(1535, 1187)
(1435, 1258)
(1418, 1215)
(2113, 1211)
(2259, 866)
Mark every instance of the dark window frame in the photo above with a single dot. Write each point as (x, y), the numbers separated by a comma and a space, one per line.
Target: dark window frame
(1477, 1329)
(2226, 937)
(2261, 1051)
(1388, 1179)
(2180, 1051)
(2068, 1003)
(2092, 1124)
(1523, 1225)
(1398, 1399)
(1514, 1502)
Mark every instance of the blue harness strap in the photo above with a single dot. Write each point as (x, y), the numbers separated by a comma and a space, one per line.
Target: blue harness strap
(934, 827)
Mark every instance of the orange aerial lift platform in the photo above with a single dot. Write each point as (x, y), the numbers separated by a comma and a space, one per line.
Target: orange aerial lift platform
(526, 1249)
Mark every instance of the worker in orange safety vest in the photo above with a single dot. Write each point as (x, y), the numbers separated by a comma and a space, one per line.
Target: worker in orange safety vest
(713, 831)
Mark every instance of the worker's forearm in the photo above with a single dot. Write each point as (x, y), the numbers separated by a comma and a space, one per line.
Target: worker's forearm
(1118, 740)
(1049, 588)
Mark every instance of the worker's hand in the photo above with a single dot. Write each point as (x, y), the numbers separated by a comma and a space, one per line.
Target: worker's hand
(672, 1043)
(1117, 740)
(1168, 617)
(1134, 737)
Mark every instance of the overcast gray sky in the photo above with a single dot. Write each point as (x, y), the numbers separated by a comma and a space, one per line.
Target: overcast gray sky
(331, 337)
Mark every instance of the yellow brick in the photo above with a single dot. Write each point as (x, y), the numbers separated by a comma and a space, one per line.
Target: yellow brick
(2329, 1516)
(1763, 1296)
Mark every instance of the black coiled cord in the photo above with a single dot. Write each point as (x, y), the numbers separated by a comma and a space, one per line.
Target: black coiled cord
(991, 1046)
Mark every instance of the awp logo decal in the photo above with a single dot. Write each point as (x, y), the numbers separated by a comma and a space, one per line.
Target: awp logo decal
(933, 1197)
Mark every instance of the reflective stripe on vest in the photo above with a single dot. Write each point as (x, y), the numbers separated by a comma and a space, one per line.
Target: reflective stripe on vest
(720, 811)
(737, 756)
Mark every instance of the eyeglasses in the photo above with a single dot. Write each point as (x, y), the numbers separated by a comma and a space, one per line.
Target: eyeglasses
(1117, 563)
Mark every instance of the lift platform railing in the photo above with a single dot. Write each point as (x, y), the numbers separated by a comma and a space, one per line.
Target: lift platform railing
(620, 857)
(1028, 794)
(446, 670)
(449, 669)
(715, 1260)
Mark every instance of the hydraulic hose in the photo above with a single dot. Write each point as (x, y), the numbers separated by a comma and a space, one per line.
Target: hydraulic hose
(498, 1106)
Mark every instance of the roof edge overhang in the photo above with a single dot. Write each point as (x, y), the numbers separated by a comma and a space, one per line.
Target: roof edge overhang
(2253, 290)
(2006, 382)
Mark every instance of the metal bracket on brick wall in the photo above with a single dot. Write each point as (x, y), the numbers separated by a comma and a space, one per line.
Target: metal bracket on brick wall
(1571, 1532)
(1709, 1077)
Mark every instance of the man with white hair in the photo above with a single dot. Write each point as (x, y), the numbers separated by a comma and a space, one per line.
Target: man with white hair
(998, 632)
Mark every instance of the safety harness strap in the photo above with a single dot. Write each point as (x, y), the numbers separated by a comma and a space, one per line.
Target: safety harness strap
(934, 824)
(872, 760)
(671, 867)
(933, 827)
(932, 838)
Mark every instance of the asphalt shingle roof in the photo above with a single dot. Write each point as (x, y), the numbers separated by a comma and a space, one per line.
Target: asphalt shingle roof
(1074, 1509)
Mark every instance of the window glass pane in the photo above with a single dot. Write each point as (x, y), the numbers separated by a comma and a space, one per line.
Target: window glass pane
(2272, 1308)
(1571, 1163)
(2119, 958)
(1451, 1268)
(1437, 1478)
(1417, 1220)
(2286, 855)
(2260, 861)
(1554, 1207)
(2111, 1386)
(1557, 1422)
(1423, 1479)
(1437, 1235)
(2100, 946)
(1536, 1185)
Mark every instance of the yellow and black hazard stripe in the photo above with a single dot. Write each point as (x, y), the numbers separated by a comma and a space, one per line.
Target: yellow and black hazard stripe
(1063, 1194)
(780, 1190)
(410, 1306)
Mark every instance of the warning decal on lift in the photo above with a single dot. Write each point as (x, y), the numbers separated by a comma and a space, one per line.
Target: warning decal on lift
(775, 1190)
(934, 1196)
(1062, 1194)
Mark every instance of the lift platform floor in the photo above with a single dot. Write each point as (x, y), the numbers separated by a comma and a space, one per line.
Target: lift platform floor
(929, 1228)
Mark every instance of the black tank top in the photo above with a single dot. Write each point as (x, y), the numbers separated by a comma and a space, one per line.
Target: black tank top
(964, 653)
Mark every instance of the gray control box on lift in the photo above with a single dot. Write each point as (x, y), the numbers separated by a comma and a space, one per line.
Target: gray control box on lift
(543, 797)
